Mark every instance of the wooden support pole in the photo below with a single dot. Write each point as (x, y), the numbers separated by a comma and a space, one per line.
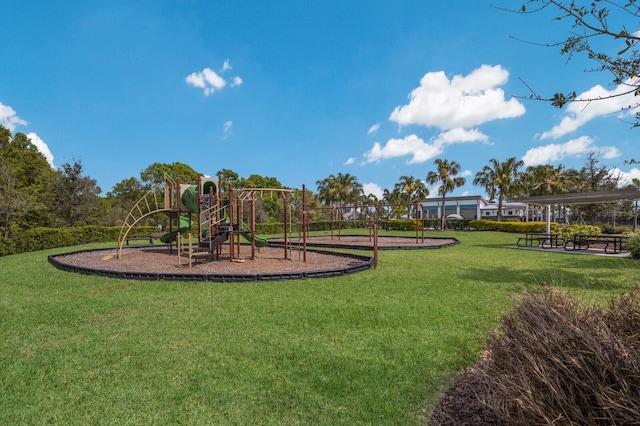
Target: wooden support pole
(304, 223)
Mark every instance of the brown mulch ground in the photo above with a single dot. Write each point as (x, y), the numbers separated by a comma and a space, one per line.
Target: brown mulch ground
(160, 260)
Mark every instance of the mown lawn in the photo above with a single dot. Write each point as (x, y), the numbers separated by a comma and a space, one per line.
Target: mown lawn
(376, 347)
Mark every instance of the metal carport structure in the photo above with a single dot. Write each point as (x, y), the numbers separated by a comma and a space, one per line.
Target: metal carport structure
(605, 196)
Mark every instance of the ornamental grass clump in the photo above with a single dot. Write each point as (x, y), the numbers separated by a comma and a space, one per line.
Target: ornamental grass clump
(556, 361)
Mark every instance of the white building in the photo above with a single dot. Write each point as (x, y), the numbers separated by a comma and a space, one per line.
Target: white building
(476, 207)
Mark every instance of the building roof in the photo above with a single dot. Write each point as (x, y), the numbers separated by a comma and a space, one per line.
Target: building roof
(583, 197)
(438, 199)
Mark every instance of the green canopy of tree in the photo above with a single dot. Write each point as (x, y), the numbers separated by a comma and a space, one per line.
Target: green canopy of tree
(155, 174)
(25, 177)
(340, 190)
(447, 175)
(500, 180)
(74, 198)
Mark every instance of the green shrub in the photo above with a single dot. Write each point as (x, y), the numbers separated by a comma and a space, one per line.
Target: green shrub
(568, 231)
(633, 245)
(515, 227)
(45, 238)
(555, 361)
(327, 225)
(7, 246)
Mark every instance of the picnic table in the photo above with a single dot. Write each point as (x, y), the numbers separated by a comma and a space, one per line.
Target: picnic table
(540, 239)
(612, 243)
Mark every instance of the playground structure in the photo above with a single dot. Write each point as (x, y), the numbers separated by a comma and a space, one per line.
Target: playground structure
(218, 217)
(218, 220)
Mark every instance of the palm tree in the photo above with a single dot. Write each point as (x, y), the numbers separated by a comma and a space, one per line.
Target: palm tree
(392, 198)
(446, 173)
(546, 179)
(411, 190)
(339, 190)
(348, 189)
(500, 179)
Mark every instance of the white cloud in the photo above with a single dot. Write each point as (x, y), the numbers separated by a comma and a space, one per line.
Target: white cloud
(373, 188)
(227, 127)
(575, 147)
(210, 81)
(466, 173)
(419, 150)
(9, 119)
(626, 177)
(579, 113)
(462, 102)
(206, 79)
(350, 161)
(373, 129)
(42, 147)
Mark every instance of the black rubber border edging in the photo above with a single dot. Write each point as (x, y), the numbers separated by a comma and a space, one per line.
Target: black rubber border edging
(364, 263)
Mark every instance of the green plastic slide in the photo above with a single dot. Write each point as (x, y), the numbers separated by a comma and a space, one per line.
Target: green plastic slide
(171, 236)
(260, 241)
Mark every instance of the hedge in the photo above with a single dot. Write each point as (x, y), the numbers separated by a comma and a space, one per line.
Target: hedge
(46, 238)
(327, 225)
(514, 227)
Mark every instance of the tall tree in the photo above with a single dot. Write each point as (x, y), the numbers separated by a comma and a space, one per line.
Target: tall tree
(269, 205)
(500, 179)
(122, 197)
(447, 175)
(25, 177)
(393, 199)
(75, 197)
(546, 179)
(595, 177)
(341, 189)
(227, 177)
(411, 190)
(155, 173)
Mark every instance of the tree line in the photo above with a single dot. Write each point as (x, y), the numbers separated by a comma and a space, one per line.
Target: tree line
(33, 194)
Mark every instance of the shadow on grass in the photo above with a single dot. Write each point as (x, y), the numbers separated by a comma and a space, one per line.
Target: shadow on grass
(592, 278)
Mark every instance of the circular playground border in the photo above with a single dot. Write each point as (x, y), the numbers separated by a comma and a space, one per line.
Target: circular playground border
(347, 241)
(358, 262)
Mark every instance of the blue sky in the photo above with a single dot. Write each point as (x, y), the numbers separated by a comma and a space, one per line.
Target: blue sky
(300, 90)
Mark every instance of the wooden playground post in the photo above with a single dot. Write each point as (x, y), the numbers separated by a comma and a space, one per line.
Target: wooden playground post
(253, 225)
(421, 222)
(238, 224)
(284, 196)
(304, 224)
(199, 229)
(218, 213)
(230, 206)
(332, 209)
(375, 241)
(416, 213)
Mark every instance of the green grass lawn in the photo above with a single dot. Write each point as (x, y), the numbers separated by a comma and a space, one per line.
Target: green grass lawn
(376, 347)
